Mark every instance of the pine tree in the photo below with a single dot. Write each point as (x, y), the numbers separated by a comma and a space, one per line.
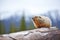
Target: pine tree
(2, 27)
(12, 27)
(23, 24)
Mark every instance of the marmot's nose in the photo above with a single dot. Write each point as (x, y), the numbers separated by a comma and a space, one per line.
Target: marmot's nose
(32, 18)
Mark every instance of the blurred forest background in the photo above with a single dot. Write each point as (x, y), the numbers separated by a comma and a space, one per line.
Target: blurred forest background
(19, 23)
(16, 15)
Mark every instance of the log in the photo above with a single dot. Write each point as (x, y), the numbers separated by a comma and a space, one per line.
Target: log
(35, 34)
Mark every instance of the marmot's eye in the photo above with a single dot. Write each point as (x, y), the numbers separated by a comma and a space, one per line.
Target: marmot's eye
(32, 18)
(39, 17)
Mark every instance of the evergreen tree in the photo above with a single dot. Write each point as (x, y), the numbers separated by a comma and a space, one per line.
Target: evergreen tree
(23, 24)
(2, 27)
(12, 27)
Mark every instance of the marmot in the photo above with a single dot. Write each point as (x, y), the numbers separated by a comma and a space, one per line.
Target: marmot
(42, 22)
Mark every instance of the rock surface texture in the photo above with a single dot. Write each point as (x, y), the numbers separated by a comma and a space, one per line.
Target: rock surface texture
(35, 34)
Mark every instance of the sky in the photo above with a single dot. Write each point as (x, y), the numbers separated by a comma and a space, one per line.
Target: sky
(34, 7)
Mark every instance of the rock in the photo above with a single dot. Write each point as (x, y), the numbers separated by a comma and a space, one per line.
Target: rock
(54, 35)
(5, 38)
(36, 34)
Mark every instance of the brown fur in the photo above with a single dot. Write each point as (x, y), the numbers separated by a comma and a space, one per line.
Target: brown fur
(40, 22)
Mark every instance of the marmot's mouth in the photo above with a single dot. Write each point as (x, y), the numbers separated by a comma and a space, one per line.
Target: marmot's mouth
(33, 19)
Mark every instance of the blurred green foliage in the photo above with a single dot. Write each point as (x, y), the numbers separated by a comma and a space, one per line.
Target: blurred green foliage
(12, 27)
(22, 26)
(2, 27)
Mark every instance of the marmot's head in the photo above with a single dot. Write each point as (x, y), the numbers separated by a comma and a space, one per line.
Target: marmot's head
(41, 21)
